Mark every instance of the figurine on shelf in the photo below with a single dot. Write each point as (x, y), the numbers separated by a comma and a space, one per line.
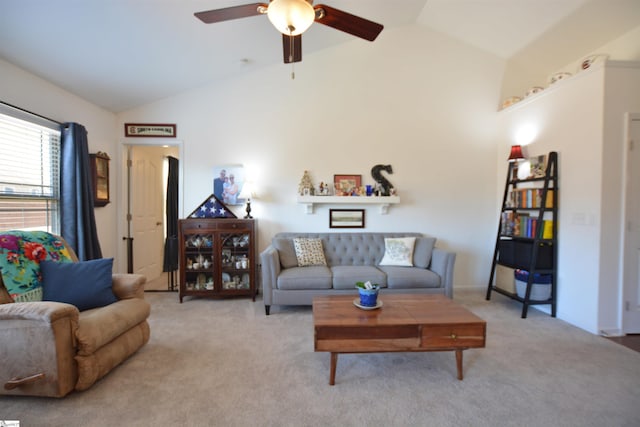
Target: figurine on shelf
(323, 189)
(305, 188)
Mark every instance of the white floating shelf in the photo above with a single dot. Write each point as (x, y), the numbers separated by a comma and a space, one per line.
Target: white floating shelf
(383, 201)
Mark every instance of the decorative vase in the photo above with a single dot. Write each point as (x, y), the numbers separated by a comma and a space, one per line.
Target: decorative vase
(368, 297)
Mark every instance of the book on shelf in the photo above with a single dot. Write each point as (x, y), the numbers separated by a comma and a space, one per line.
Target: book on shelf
(528, 226)
(506, 225)
(547, 229)
(549, 202)
(520, 225)
(529, 198)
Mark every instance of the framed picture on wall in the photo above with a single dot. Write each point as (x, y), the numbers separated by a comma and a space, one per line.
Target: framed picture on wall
(537, 166)
(227, 184)
(346, 185)
(142, 130)
(346, 218)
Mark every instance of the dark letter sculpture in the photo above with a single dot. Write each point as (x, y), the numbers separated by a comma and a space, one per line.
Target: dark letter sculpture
(383, 183)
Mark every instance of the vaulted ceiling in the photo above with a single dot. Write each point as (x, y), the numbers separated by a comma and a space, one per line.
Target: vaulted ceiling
(120, 54)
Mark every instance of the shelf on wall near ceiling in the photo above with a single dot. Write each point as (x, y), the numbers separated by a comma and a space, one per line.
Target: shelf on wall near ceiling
(383, 201)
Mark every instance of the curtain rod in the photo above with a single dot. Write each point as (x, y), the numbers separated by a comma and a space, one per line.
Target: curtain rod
(31, 112)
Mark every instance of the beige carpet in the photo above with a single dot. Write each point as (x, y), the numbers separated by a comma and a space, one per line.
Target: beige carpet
(224, 363)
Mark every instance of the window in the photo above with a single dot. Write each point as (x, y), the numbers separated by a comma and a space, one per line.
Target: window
(29, 171)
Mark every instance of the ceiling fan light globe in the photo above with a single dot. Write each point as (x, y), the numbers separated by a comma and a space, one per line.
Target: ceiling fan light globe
(291, 17)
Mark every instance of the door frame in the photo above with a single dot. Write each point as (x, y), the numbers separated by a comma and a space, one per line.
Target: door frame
(629, 118)
(123, 191)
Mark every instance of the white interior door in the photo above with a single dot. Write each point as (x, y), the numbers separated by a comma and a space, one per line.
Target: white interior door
(631, 292)
(147, 210)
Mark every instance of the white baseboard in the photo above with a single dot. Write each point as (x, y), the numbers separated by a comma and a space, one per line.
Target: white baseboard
(468, 288)
(611, 332)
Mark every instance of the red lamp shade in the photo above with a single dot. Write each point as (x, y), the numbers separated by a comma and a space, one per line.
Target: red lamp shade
(516, 153)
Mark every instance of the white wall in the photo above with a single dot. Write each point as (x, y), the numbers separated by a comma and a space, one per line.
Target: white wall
(24, 90)
(533, 66)
(414, 99)
(568, 119)
(582, 118)
(621, 96)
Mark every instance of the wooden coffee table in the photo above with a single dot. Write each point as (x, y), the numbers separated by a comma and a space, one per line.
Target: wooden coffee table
(409, 322)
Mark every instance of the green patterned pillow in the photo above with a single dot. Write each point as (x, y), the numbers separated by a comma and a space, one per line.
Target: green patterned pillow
(309, 252)
(20, 256)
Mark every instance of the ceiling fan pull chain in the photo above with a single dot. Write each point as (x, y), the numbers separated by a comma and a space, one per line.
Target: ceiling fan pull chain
(291, 54)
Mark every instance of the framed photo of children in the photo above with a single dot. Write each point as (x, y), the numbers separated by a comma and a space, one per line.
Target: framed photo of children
(346, 218)
(227, 184)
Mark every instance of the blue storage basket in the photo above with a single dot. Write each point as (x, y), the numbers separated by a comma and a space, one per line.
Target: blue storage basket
(541, 279)
(540, 287)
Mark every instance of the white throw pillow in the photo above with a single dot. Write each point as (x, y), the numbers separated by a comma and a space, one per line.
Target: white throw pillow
(398, 251)
(309, 252)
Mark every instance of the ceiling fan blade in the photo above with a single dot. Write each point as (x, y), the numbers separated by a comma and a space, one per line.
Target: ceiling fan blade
(229, 13)
(348, 23)
(292, 48)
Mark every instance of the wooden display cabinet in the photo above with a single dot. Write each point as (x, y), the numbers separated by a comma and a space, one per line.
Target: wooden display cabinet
(217, 257)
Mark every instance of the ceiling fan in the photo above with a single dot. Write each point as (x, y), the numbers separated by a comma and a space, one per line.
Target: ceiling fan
(292, 18)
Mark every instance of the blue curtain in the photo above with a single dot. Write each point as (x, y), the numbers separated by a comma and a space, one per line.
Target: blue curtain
(78, 222)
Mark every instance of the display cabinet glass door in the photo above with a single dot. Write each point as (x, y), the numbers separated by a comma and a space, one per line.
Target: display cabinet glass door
(199, 262)
(235, 261)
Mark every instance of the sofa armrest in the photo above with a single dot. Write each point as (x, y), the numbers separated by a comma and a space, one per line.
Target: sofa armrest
(442, 262)
(127, 286)
(270, 260)
(37, 348)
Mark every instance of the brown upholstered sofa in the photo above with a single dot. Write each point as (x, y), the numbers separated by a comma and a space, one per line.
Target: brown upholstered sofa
(51, 348)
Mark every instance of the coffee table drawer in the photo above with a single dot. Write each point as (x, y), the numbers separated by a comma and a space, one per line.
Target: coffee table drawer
(453, 336)
(371, 339)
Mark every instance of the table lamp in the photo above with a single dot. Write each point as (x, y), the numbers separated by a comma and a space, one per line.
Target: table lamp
(514, 157)
(247, 193)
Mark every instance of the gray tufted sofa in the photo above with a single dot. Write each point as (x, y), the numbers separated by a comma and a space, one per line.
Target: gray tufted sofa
(351, 257)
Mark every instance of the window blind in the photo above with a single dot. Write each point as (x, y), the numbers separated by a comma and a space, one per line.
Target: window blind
(29, 171)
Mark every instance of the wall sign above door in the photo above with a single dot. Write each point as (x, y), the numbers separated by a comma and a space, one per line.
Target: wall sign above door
(149, 130)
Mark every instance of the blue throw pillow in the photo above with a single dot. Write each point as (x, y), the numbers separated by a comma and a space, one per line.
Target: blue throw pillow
(85, 284)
